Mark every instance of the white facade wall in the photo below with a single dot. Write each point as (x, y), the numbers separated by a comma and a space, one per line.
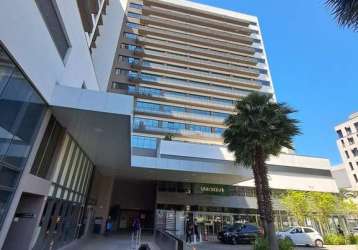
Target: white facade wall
(106, 43)
(26, 36)
(344, 145)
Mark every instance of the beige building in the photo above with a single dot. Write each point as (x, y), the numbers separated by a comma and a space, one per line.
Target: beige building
(347, 143)
(187, 65)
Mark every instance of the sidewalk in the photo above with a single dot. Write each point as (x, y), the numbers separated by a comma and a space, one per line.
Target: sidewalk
(113, 242)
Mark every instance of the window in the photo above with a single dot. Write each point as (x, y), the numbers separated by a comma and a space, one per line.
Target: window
(339, 133)
(45, 154)
(355, 177)
(218, 131)
(342, 142)
(147, 106)
(200, 112)
(348, 130)
(130, 36)
(144, 142)
(199, 128)
(308, 230)
(356, 126)
(21, 113)
(173, 126)
(350, 140)
(347, 154)
(143, 123)
(134, 15)
(223, 115)
(223, 101)
(351, 165)
(54, 23)
(133, 25)
(355, 152)
(135, 5)
(167, 108)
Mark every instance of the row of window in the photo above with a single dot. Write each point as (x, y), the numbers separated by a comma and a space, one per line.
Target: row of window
(133, 36)
(169, 108)
(21, 114)
(348, 130)
(144, 142)
(198, 71)
(166, 93)
(143, 123)
(354, 153)
(157, 78)
(351, 165)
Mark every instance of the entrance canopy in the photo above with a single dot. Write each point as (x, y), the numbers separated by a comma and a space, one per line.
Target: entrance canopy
(99, 121)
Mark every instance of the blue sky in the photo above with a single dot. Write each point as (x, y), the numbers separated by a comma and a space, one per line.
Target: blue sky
(314, 66)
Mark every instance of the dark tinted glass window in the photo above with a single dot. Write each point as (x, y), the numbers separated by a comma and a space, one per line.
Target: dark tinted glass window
(21, 112)
(50, 14)
(308, 230)
(43, 161)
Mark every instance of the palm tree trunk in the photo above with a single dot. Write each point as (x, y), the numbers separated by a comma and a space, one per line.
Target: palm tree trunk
(267, 204)
(259, 197)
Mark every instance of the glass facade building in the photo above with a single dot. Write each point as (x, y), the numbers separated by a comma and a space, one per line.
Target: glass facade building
(22, 110)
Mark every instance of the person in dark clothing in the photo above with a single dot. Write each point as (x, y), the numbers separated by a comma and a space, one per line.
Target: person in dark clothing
(196, 230)
(340, 230)
(189, 231)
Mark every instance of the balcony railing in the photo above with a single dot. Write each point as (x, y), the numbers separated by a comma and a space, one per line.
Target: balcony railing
(243, 28)
(198, 40)
(183, 132)
(190, 60)
(207, 52)
(196, 29)
(181, 99)
(184, 115)
(204, 75)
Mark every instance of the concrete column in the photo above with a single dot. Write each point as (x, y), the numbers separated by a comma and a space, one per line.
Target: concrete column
(101, 192)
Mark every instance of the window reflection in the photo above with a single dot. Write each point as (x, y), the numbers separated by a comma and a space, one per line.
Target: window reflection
(21, 112)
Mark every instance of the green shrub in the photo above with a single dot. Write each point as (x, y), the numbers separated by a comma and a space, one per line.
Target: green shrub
(285, 244)
(263, 244)
(352, 239)
(334, 239)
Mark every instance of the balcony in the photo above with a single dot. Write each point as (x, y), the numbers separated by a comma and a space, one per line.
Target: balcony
(182, 84)
(201, 62)
(183, 116)
(165, 12)
(196, 29)
(194, 50)
(178, 132)
(202, 75)
(182, 99)
(139, 52)
(193, 38)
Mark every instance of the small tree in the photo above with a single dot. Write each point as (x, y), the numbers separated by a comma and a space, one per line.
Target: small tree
(297, 204)
(324, 205)
(258, 129)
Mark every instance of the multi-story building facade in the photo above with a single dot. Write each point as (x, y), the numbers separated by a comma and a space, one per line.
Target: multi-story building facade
(186, 68)
(116, 108)
(347, 143)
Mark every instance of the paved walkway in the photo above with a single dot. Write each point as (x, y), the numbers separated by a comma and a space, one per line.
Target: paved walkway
(122, 242)
(219, 246)
(113, 242)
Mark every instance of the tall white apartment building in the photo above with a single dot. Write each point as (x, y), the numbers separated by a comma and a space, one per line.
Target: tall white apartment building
(116, 107)
(347, 143)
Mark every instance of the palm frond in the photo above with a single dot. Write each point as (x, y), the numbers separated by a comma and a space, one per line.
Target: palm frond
(345, 11)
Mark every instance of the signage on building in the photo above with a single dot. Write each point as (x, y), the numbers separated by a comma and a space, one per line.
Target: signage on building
(212, 189)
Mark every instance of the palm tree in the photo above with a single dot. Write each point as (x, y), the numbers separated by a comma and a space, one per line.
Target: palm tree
(345, 11)
(260, 128)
